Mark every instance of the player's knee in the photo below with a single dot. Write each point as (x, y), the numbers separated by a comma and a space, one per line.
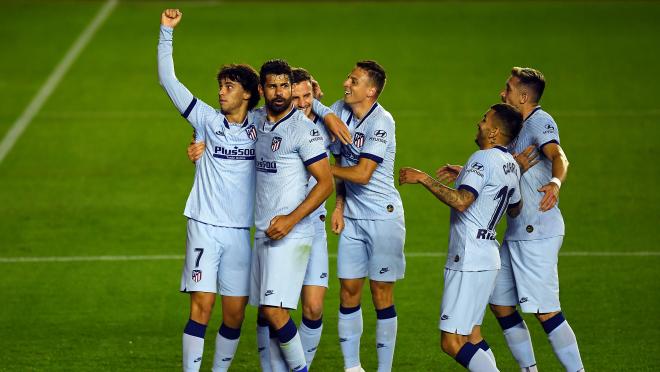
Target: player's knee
(201, 312)
(313, 309)
(233, 318)
(350, 295)
(382, 295)
(502, 311)
(450, 345)
(542, 317)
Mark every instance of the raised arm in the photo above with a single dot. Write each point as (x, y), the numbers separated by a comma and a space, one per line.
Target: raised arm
(460, 199)
(178, 93)
(336, 127)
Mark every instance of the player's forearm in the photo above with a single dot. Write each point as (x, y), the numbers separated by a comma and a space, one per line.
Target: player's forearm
(340, 194)
(319, 193)
(456, 199)
(560, 166)
(178, 93)
(356, 174)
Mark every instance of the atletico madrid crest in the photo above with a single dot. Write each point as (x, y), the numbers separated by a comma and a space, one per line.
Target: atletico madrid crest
(275, 145)
(358, 139)
(251, 132)
(196, 275)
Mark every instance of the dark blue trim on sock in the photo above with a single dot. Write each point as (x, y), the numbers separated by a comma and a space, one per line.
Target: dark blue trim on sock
(552, 323)
(483, 345)
(195, 329)
(348, 310)
(386, 313)
(272, 332)
(229, 333)
(262, 322)
(312, 324)
(287, 332)
(466, 353)
(510, 321)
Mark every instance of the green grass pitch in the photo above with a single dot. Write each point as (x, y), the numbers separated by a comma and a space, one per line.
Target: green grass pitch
(101, 170)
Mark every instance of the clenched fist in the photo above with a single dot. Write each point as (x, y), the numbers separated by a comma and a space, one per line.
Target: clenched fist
(170, 17)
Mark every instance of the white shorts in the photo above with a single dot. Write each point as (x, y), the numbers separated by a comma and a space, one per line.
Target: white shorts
(217, 260)
(529, 275)
(372, 248)
(278, 270)
(317, 267)
(464, 299)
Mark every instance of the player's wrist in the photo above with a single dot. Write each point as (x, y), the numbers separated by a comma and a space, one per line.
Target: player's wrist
(556, 181)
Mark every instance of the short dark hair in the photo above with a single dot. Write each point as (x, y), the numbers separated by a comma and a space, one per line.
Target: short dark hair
(509, 119)
(532, 79)
(274, 67)
(245, 75)
(376, 73)
(299, 74)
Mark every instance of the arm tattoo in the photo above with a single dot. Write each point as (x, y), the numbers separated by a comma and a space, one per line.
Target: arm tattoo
(457, 199)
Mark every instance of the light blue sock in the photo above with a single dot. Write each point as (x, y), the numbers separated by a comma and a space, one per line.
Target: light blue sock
(386, 326)
(193, 345)
(276, 361)
(310, 336)
(518, 339)
(350, 331)
(563, 342)
(263, 342)
(226, 343)
(291, 347)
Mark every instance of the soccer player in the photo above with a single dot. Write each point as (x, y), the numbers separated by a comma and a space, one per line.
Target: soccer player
(289, 148)
(220, 205)
(532, 241)
(486, 187)
(368, 214)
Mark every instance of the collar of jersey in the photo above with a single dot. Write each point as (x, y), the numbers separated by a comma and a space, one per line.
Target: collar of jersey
(286, 117)
(532, 113)
(501, 148)
(226, 122)
(350, 117)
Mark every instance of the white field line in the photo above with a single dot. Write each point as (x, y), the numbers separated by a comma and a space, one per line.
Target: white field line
(53, 80)
(180, 257)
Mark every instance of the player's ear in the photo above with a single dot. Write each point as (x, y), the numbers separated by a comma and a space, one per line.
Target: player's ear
(371, 93)
(524, 97)
(261, 90)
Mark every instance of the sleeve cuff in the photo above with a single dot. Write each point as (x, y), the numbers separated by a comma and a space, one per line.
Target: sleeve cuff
(192, 104)
(470, 189)
(313, 160)
(373, 157)
(514, 205)
(549, 142)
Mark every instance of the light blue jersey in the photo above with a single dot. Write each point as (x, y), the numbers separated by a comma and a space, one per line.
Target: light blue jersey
(284, 150)
(373, 138)
(320, 211)
(493, 177)
(539, 129)
(224, 183)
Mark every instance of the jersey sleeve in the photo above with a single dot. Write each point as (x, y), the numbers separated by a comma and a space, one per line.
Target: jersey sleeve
(545, 132)
(320, 109)
(310, 143)
(192, 109)
(376, 138)
(514, 200)
(475, 174)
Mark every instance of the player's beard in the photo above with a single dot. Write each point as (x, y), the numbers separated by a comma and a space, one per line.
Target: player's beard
(279, 107)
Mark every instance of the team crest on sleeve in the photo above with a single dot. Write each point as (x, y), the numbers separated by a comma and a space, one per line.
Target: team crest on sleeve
(358, 139)
(275, 145)
(251, 132)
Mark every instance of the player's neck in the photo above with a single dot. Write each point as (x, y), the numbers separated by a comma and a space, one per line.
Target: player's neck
(274, 117)
(361, 108)
(527, 109)
(311, 116)
(236, 117)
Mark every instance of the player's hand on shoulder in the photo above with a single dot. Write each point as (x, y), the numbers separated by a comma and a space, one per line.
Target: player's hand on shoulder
(337, 129)
(411, 175)
(337, 221)
(195, 150)
(448, 173)
(170, 17)
(528, 158)
(280, 227)
(551, 196)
